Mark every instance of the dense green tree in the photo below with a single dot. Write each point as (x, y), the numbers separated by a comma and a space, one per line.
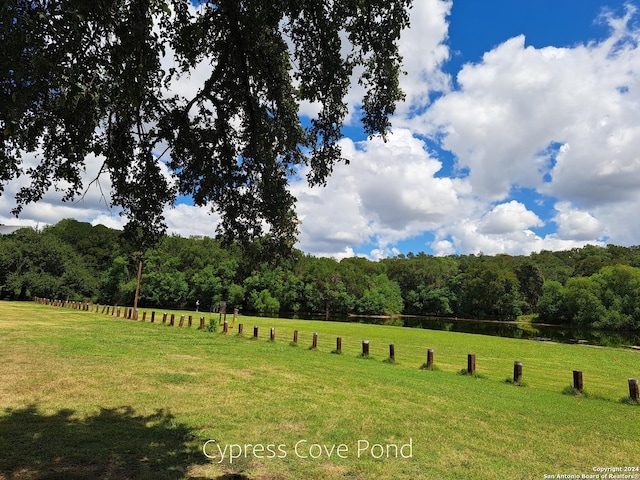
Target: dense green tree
(381, 297)
(552, 306)
(530, 282)
(86, 78)
(489, 291)
(40, 264)
(114, 286)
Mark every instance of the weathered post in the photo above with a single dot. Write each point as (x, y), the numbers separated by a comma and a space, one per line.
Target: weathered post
(118, 312)
(471, 364)
(190, 320)
(130, 314)
(272, 334)
(225, 327)
(181, 324)
(295, 336)
(392, 352)
(365, 348)
(577, 380)
(153, 316)
(201, 327)
(255, 331)
(144, 315)
(173, 319)
(339, 345)
(633, 389)
(240, 328)
(235, 315)
(103, 307)
(430, 358)
(517, 372)
(314, 342)
(164, 317)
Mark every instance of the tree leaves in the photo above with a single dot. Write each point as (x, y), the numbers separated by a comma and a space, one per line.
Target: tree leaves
(87, 78)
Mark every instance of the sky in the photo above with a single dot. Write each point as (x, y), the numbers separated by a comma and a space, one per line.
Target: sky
(520, 132)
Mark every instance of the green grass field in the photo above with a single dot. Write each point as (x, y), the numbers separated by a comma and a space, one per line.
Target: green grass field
(85, 396)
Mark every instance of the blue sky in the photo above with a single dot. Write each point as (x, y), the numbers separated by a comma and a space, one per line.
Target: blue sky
(514, 202)
(521, 132)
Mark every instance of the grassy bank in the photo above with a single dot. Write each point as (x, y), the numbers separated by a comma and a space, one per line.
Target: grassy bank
(86, 395)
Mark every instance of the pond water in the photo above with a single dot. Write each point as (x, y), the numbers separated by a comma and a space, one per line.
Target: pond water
(524, 330)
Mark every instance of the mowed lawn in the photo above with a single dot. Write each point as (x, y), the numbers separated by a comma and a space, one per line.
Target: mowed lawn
(89, 395)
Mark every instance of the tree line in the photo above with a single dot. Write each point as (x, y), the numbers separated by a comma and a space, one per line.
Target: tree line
(591, 286)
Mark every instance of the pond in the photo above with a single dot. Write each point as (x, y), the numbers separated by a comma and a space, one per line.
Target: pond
(524, 330)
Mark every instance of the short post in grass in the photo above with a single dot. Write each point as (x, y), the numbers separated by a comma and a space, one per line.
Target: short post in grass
(144, 316)
(164, 317)
(190, 321)
(314, 342)
(129, 315)
(365, 348)
(181, 324)
(633, 389)
(173, 319)
(153, 316)
(577, 380)
(272, 334)
(429, 358)
(225, 327)
(201, 324)
(471, 364)
(392, 352)
(118, 312)
(240, 328)
(339, 345)
(235, 315)
(255, 331)
(517, 372)
(295, 336)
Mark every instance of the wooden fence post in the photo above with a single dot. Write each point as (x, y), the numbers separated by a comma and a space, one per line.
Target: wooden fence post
(225, 327)
(517, 372)
(471, 364)
(365, 348)
(577, 380)
(339, 345)
(164, 317)
(153, 316)
(201, 327)
(173, 319)
(190, 320)
(430, 358)
(181, 324)
(633, 389)
(272, 334)
(392, 352)
(144, 315)
(314, 342)
(240, 328)
(255, 331)
(295, 336)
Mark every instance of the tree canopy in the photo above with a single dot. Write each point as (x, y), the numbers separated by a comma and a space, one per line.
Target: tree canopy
(90, 79)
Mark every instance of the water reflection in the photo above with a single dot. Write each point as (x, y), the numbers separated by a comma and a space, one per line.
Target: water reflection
(524, 330)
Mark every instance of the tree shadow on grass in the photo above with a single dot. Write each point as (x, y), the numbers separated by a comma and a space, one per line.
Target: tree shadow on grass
(112, 444)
